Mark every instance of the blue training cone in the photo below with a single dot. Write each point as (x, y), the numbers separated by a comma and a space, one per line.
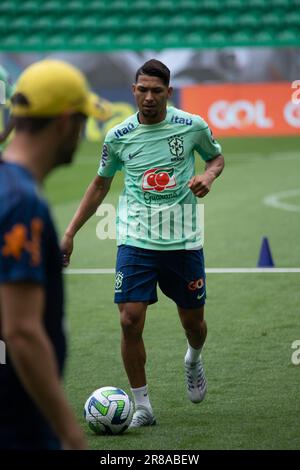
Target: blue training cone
(265, 259)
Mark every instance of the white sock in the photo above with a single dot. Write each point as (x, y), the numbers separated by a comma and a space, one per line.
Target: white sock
(192, 354)
(141, 397)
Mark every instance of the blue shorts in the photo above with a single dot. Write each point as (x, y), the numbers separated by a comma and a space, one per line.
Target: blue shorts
(180, 275)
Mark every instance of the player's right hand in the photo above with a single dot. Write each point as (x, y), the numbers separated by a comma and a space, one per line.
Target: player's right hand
(66, 249)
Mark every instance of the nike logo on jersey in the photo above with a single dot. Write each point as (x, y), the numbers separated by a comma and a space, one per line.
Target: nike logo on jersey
(132, 155)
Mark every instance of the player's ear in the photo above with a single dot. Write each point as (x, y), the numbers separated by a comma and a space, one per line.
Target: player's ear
(170, 91)
(133, 88)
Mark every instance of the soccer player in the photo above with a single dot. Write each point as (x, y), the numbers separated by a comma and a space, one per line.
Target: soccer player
(49, 107)
(155, 148)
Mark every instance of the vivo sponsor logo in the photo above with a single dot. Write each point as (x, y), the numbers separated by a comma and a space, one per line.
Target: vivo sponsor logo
(181, 120)
(120, 132)
(2, 352)
(104, 155)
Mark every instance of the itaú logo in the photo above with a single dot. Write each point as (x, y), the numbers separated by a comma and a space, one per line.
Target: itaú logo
(239, 114)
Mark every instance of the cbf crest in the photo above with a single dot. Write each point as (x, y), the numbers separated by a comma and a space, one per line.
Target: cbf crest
(176, 145)
(119, 281)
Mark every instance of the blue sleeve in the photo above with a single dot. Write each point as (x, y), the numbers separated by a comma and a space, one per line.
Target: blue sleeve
(23, 231)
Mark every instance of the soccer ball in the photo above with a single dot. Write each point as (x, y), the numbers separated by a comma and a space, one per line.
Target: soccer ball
(108, 410)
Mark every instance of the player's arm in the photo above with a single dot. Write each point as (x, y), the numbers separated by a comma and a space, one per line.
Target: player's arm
(92, 198)
(200, 185)
(211, 152)
(22, 306)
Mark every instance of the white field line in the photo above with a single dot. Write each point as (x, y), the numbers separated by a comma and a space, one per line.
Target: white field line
(276, 200)
(208, 270)
(237, 156)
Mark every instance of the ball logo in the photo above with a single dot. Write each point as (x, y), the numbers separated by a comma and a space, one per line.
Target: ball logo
(158, 179)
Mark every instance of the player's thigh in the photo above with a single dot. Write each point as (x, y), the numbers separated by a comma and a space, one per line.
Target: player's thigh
(182, 278)
(136, 275)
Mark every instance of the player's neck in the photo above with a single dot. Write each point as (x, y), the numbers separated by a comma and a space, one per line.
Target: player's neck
(147, 120)
(30, 155)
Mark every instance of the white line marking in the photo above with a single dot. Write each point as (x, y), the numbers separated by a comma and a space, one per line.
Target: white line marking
(208, 270)
(250, 157)
(89, 271)
(274, 200)
(251, 270)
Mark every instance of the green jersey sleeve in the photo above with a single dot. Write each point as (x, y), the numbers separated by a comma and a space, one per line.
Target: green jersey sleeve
(205, 144)
(7, 88)
(110, 163)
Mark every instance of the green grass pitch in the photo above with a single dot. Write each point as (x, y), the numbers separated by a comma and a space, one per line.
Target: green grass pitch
(253, 397)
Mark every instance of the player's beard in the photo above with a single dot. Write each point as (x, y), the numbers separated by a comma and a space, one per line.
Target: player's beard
(65, 154)
(149, 112)
(67, 148)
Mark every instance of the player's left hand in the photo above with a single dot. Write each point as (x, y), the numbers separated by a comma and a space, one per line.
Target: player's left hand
(66, 247)
(200, 184)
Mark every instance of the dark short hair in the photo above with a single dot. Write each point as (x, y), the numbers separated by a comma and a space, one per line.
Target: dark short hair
(34, 125)
(154, 68)
(31, 125)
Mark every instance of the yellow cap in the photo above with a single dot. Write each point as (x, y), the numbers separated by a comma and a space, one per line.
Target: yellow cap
(52, 88)
(104, 107)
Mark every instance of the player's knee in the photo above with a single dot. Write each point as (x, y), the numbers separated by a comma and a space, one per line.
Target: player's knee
(194, 325)
(130, 321)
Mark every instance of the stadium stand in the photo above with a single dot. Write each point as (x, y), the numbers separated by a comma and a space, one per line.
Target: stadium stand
(79, 25)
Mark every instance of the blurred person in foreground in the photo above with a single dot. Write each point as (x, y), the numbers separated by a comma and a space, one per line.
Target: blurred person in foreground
(49, 107)
(103, 111)
(155, 148)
